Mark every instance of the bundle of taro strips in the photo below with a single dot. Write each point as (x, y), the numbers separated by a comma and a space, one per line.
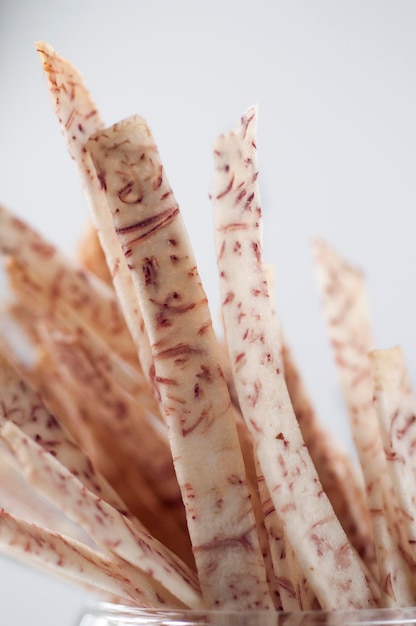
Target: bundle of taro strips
(158, 465)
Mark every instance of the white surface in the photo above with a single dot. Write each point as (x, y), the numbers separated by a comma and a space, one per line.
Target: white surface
(336, 85)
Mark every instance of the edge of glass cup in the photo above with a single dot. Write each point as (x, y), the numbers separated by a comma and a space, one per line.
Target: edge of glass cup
(107, 614)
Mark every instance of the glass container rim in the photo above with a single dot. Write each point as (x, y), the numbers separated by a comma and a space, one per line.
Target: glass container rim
(200, 617)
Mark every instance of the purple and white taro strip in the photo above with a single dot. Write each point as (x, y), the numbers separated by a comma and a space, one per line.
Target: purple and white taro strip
(322, 548)
(194, 395)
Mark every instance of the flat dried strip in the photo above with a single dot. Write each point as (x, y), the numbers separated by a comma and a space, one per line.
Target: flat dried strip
(79, 564)
(320, 544)
(396, 409)
(347, 315)
(108, 528)
(64, 284)
(194, 395)
(79, 118)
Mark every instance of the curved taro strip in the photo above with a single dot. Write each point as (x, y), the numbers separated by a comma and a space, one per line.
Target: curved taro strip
(396, 409)
(321, 546)
(79, 119)
(63, 284)
(77, 563)
(108, 528)
(346, 311)
(194, 396)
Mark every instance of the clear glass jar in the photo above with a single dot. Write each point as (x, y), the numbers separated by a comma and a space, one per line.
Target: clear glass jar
(118, 615)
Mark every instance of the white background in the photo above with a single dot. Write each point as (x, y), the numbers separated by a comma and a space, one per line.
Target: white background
(336, 87)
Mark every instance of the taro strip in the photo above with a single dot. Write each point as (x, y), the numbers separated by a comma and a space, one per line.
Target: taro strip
(108, 528)
(76, 562)
(347, 315)
(396, 410)
(321, 546)
(52, 276)
(79, 119)
(194, 395)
